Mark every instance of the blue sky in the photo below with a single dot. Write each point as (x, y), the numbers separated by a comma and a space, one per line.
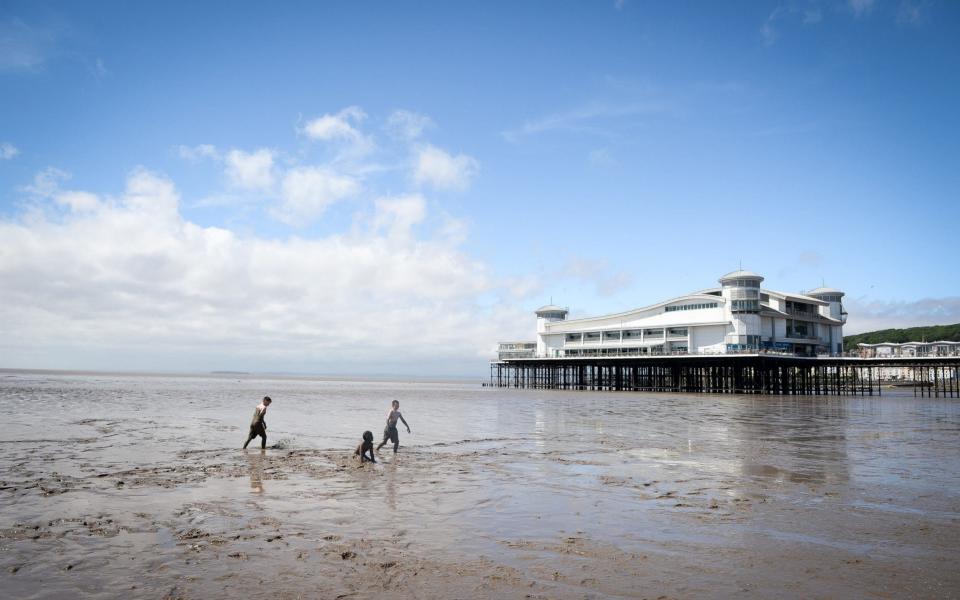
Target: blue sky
(320, 187)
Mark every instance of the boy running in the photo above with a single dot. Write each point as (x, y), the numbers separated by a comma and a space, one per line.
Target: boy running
(257, 425)
(390, 431)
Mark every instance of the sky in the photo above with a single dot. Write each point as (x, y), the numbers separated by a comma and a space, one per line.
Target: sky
(393, 187)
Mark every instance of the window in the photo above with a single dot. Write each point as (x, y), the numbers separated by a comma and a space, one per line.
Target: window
(801, 329)
(611, 335)
(591, 336)
(573, 337)
(631, 334)
(690, 306)
(740, 306)
(677, 331)
(653, 333)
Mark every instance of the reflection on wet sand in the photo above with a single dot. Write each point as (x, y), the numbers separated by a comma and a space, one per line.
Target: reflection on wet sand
(501, 493)
(255, 466)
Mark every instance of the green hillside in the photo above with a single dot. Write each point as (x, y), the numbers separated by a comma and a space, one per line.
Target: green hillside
(934, 333)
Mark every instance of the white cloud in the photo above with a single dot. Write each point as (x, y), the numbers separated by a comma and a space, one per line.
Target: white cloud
(46, 183)
(442, 170)
(139, 286)
(46, 187)
(22, 46)
(308, 191)
(197, 153)
(407, 125)
(810, 15)
(8, 151)
(78, 201)
(860, 7)
(583, 119)
(335, 126)
(768, 30)
(341, 128)
(397, 215)
(252, 171)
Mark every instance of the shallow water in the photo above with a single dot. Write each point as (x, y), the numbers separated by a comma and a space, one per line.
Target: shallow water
(120, 485)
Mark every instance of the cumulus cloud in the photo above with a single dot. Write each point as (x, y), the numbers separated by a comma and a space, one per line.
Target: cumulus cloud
(870, 315)
(8, 151)
(342, 128)
(407, 125)
(442, 170)
(46, 186)
(251, 171)
(95, 280)
(308, 191)
(135, 278)
(397, 215)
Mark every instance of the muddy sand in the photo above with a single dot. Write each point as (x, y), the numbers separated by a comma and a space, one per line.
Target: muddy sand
(513, 494)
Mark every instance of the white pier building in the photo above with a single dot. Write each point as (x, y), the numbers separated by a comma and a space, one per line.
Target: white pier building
(739, 316)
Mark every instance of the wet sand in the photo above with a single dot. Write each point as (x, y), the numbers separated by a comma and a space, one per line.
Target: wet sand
(118, 487)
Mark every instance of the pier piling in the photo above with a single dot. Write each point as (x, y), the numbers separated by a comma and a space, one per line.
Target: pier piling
(731, 374)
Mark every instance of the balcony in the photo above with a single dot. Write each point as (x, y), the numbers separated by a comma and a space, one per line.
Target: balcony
(803, 314)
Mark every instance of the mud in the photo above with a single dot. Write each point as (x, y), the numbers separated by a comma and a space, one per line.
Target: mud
(105, 492)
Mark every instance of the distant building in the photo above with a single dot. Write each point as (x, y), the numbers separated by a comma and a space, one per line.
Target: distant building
(738, 316)
(909, 349)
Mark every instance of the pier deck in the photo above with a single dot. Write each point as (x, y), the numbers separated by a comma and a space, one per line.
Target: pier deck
(730, 374)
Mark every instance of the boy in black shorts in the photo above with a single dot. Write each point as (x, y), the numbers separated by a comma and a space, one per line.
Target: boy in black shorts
(390, 431)
(258, 426)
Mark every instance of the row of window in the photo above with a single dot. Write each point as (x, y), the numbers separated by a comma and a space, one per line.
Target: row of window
(747, 283)
(626, 334)
(507, 346)
(690, 306)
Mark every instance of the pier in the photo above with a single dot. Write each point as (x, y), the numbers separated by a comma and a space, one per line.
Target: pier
(937, 377)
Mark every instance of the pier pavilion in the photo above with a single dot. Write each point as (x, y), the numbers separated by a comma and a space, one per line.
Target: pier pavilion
(737, 317)
(737, 338)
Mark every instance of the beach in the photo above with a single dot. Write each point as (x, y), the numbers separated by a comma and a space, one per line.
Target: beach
(120, 485)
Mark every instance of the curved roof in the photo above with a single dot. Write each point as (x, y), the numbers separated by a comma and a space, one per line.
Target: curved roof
(628, 313)
(551, 308)
(824, 290)
(741, 274)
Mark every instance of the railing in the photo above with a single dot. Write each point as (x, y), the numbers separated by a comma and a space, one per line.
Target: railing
(508, 355)
(595, 353)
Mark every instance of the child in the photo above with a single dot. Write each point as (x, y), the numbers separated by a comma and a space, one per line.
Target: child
(365, 446)
(258, 426)
(390, 431)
